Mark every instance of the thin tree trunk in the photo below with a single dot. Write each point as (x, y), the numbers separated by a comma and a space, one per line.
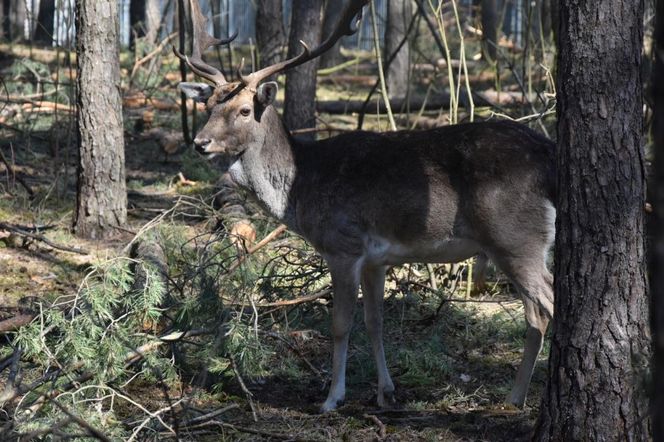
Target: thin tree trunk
(152, 20)
(399, 14)
(17, 15)
(330, 19)
(547, 19)
(657, 246)
(300, 97)
(136, 20)
(270, 32)
(101, 196)
(44, 29)
(3, 19)
(601, 340)
(182, 31)
(489, 29)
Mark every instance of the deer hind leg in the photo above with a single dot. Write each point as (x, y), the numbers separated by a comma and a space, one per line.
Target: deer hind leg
(479, 273)
(534, 283)
(345, 282)
(537, 323)
(373, 291)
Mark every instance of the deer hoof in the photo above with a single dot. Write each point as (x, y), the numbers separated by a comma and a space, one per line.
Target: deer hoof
(331, 404)
(386, 399)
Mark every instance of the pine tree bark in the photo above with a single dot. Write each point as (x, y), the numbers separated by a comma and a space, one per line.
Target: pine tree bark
(331, 17)
(601, 341)
(270, 32)
(399, 14)
(101, 195)
(657, 246)
(44, 28)
(300, 94)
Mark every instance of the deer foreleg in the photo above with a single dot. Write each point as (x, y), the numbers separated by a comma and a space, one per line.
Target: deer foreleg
(345, 282)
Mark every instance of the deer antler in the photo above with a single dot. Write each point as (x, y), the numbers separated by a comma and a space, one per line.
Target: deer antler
(346, 26)
(202, 41)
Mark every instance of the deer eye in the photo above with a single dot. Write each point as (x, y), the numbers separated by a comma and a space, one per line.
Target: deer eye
(245, 111)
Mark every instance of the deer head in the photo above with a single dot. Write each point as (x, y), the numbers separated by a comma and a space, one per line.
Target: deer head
(237, 109)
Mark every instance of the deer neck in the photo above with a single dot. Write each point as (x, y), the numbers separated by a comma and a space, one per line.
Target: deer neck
(267, 168)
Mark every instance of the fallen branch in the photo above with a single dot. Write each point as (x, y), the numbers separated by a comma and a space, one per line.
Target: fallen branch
(43, 239)
(16, 322)
(16, 177)
(47, 106)
(242, 430)
(287, 302)
(151, 55)
(382, 431)
(209, 416)
(265, 241)
(97, 434)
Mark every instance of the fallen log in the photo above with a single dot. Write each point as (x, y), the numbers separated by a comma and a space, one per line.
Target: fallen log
(400, 105)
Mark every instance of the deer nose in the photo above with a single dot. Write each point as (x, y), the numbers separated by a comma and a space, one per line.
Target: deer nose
(201, 144)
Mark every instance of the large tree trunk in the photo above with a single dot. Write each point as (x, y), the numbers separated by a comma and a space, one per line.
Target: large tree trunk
(299, 103)
(270, 32)
(101, 196)
(330, 19)
(489, 29)
(657, 246)
(601, 340)
(399, 14)
(44, 28)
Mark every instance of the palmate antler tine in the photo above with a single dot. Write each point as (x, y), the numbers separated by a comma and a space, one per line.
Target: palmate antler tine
(201, 41)
(347, 26)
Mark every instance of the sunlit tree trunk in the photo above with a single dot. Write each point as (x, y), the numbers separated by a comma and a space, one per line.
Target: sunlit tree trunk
(601, 341)
(101, 194)
(15, 18)
(399, 14)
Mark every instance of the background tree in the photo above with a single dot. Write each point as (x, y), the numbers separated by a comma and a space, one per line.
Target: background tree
(299, 104)
(657, 247)
(144, 19)
(601, 339)
(45, 18)
(489, 28)
(14, 13)
(330, 20)
(399, 14)
(270, 32)
(101, 200)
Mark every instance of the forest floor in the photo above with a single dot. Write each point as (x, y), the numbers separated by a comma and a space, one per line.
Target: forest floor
(453, 358)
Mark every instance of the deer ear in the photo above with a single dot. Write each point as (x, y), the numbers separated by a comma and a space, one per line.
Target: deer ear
(199, 92)
(267, 93)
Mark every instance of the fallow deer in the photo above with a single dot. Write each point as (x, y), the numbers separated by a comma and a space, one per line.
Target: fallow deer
(369, 200)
